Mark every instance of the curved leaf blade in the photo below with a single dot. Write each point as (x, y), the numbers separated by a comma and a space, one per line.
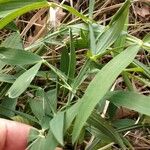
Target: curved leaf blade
(131, 100)
(20, 11)
(100, 85)
(103, 126)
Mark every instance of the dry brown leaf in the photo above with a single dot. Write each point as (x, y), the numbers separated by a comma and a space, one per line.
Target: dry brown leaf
(144, 11)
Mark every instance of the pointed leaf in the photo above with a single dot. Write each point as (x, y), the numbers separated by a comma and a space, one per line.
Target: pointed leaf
(23, 81)
(57, 127)
(131, 100)
(18, 57)
(100, 85)
(19, 8)
(103, 126)
(112, 32)
(14, 41)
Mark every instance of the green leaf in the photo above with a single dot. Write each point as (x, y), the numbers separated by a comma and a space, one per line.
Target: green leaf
(112, 32)
(131, 100)
(81, 75)
(146, 39)
(10, 104)
(70, 115)
(14, 41)
(2, 64)
(39, 142)
(51, 97)
(122, 123)
(8, 6)
(60, 74)
(91, 8)
(64, 62)
(92, 40)
(72, 60)
(100, 85)
(18, 57)
(13, 11)
(7, 78)
(57, 127)
(37, 108)
(27, 116)
(146, 70)
(23, 81)
(103, 126)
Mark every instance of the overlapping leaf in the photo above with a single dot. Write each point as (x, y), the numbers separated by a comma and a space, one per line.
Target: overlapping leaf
(100, 85)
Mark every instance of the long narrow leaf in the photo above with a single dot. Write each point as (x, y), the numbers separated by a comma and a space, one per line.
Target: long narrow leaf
(131, 100)
(100, 85)
(4, 21)
(23, 81)
(103, 126)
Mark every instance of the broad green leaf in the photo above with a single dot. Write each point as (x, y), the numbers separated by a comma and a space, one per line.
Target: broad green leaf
(7, 78)
(103, 126)
(100, 85)
(10, 104)
(22, 120)
(14, 41)
(122, 123)
(37, 141)
(42, 108)
(131, 100)
(27, 116)
(8, 6)
(70, 115)
(12, 14)
(2, 64)
(120, 11)
(57, 127)
(23, 81)
(51, 97)
(37, 108)
(146, 39)
(18, 57)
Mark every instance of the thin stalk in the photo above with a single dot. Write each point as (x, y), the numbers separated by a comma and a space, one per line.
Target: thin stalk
(127, 81)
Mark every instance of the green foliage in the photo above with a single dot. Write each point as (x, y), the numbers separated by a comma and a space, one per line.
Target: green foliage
(62, 109)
